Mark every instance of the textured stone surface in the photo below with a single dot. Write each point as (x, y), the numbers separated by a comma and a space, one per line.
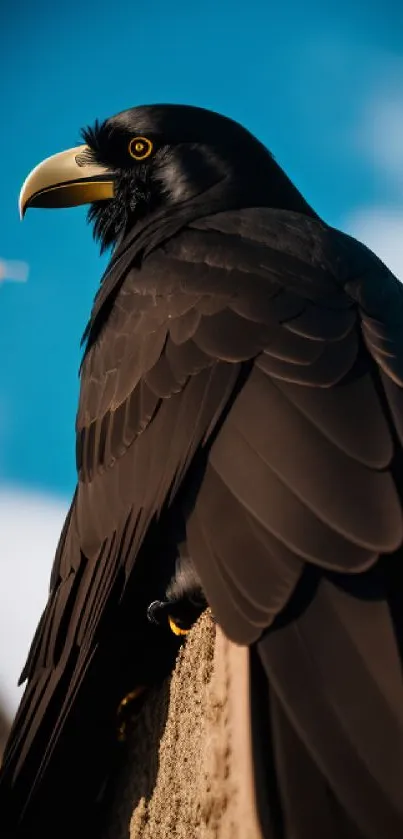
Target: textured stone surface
(187, 770)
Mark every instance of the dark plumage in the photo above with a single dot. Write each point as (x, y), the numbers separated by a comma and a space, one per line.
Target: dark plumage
(241, 405)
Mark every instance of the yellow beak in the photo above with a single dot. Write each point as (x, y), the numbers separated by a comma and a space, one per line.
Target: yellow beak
(66, 180)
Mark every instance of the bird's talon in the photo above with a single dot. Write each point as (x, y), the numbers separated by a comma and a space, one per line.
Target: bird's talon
(153, 608)
(122, 711)
(177, 630)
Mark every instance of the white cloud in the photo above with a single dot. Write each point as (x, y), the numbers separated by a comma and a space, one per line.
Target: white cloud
(30, 525)
(381, 228)
(14, 270)
(379, 135)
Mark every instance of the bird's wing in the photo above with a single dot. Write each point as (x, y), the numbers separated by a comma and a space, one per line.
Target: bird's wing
(149, 396)
(303, 467)
(239, 329)
(306, 472)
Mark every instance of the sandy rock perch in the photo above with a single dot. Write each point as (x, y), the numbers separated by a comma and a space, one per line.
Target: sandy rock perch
(187, 772)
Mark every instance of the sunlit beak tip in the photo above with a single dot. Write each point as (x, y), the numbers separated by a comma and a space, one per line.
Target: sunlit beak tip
(22, 202)
(63, 180)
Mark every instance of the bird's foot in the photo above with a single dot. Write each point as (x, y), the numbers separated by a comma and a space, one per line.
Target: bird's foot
(185, 600)
(126, 708)
(176, 629)
(161, 612)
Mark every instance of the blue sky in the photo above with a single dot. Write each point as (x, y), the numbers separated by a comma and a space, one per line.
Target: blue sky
(295, 76)
(323, 89)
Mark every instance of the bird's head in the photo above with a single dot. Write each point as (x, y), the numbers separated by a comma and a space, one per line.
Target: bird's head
(154, 157)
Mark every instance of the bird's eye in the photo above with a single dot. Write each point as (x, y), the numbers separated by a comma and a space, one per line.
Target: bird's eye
(140, 148)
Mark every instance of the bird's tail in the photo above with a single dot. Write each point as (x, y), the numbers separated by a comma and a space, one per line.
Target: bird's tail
(332, 705)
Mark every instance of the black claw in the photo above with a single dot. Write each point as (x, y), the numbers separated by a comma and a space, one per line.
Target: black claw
(155, 611)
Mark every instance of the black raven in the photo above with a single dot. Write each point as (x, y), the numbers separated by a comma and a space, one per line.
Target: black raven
(240, 420)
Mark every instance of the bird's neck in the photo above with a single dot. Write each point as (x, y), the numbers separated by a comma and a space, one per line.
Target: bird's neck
(163, 223)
